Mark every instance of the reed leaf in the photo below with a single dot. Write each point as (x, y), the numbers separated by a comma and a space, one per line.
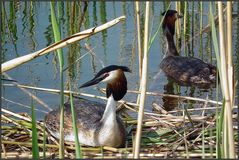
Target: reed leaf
(215, 41)
(216, 49)
(57, 37)
(151, 40)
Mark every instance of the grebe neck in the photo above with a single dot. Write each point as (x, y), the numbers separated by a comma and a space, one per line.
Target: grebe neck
(115, 91)
(169, 30)
(171, 48)
(109, 116)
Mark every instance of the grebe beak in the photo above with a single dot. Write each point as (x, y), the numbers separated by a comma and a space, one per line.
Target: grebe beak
(94, 81)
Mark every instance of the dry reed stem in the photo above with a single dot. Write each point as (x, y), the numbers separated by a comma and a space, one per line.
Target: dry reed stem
(229, 34)
(69, 40)
(126, 153)
(228, 129)
(28, 155)
(137, 10)
(15, 115)
(22, 105)
(93, 54)
(56, 91)
(177, 96)
(143, 83)
(109, 152)
(140, 54)
(178, 26)
(229, 53)
(26, 119)
(29, 93)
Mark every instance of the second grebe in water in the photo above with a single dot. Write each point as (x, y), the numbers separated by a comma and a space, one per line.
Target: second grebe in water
(98, 125)
(184, 70)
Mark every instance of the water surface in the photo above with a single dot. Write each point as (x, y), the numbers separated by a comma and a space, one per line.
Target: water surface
(27, 28)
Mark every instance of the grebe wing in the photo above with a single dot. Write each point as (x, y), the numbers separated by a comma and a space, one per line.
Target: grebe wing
(184, 68)
(88, 115)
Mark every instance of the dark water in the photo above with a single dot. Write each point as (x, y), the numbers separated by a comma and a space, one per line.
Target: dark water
(26, 28)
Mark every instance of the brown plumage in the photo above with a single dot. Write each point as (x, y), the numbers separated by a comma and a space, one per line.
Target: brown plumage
(118, 86)
(184, 70)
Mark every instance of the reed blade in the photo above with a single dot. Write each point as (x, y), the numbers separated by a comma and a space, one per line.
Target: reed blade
(57, 37)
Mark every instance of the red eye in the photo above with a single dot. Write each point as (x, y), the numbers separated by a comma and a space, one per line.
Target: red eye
(106, 75)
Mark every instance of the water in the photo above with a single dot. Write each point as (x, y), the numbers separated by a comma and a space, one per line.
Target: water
(27, 28)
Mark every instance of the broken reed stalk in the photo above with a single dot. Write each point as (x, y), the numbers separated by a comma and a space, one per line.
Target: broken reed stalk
(228, 145)
(143, 83)
(69, 40)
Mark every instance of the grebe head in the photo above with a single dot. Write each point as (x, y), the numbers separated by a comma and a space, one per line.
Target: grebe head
(116, 81)
(169, 20)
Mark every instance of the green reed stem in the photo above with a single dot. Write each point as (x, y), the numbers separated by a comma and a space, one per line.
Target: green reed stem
(203, 140)
(192, 22)
(35, 149)
(44, 141)
(57, 37)
(201, 28)
(75, 130)
(185, 27)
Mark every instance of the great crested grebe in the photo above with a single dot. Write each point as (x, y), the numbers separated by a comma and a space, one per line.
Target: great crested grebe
(184, 70)
(98, 125)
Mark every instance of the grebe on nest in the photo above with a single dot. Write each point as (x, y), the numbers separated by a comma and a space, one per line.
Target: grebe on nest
(184, 70)
(98, 125)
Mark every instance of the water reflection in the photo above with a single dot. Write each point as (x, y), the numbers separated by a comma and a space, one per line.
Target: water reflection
(32, 26)
(10, 23)
(169, 103)
(103, 19)
(94, 14)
